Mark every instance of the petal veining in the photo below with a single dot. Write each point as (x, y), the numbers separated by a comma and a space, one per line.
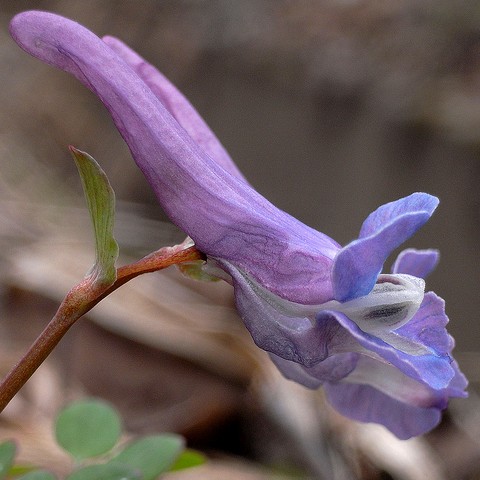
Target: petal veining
(223, 215)
(176, 103)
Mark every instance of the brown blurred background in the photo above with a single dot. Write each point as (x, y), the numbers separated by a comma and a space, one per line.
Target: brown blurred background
(330, 108)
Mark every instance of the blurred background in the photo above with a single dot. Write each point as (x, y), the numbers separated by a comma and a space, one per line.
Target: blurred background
(330, 108)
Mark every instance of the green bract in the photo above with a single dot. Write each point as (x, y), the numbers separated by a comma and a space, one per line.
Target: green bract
(101, 204)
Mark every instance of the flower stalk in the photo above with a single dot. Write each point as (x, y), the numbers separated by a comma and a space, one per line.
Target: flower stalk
(79, 301)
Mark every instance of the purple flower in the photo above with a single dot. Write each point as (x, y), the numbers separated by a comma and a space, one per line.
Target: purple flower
(325, 313)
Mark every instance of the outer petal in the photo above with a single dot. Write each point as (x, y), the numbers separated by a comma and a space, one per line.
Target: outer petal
(176, 103)
(295, 338)
(390, 212)
(418, 263)
(359, 263)
(223, 215)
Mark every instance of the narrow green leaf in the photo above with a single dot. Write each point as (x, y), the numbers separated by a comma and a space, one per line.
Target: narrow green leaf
(106, 472)
(16, 470)
(38, 475)
(7, 455)
(188, 459)
(88, 428)
(152, 455)
(101, 204)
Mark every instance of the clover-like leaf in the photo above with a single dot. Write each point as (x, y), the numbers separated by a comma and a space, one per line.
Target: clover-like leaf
(88, 428)
(106, 471)
(7, 455)
(101, 204)
(152, 455)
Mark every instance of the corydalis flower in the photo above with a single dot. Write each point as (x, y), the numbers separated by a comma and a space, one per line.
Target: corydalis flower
(325, 314)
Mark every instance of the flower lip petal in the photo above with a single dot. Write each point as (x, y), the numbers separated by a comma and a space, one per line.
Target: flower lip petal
(383, 215)
(359, 263)
(418, 413)
(422, 351)
(393, 301)
(394, 383)
(366, 404)
(391, 304)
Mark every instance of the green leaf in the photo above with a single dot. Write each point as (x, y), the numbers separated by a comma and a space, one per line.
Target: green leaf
(7, 455)
(152, 455)
(38, 475)
(88, 428)
(101, 204)
(106, 472)
(188, 459)
(17, 470)
(194, 270)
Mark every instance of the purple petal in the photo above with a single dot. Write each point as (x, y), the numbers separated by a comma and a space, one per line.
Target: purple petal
(405, 408)
(331, 369)
(298, 339)
(359, 263)
(295, 372)
(176, 103)
(392, 382)
(459, 383)
(390, 212)
(427, 327)
(366, 404)
(424, 335)
(225, 217)
(419, 263)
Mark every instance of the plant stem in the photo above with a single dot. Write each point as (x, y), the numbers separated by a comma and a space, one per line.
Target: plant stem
(78, 301)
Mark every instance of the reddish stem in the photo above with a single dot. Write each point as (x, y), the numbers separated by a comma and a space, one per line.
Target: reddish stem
(78, 301)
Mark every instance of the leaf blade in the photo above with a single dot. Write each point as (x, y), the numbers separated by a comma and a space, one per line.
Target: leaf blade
(7, 455)
(88, 428)
(100, 199)
(105, 471)
(152, 455)
(38, 475)
(188, 459)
